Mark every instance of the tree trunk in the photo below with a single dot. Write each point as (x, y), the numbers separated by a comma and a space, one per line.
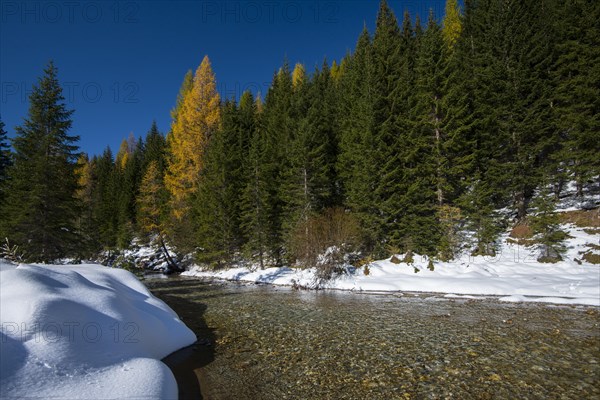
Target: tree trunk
(172, 264)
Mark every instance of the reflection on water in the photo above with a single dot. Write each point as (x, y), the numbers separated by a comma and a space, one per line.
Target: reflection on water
(275, 343)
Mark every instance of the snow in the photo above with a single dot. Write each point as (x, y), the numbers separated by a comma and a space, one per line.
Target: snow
(83, 332)
(514, 275)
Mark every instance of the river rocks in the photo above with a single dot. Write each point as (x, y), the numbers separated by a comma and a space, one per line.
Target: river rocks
(295, 345)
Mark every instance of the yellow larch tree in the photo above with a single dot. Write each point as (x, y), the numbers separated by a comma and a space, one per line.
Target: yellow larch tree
(197, 119)
(298, 76)
(452, 23)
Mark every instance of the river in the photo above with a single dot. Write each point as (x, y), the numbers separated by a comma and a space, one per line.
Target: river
(261, 342)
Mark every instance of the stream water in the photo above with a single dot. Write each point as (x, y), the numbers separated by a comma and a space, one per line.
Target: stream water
(260, 342)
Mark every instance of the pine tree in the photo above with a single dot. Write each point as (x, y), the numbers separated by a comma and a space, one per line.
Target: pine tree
(42, 207)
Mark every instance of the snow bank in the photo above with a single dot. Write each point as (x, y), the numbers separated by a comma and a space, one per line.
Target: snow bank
(84, 332)
(514, 274)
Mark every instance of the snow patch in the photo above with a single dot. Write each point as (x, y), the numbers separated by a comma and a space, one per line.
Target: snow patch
(84, 331)
(514, 275)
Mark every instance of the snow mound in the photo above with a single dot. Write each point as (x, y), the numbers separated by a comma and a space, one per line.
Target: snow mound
(82, 332)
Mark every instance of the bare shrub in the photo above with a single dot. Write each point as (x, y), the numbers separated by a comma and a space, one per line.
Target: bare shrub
(324, 240)
(11, 252)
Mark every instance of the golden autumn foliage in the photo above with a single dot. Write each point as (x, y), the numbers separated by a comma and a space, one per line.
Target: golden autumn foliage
(123, 155)
(84, 179)
(151, 200)
(197, 119)
(452, 23)
(298, 76)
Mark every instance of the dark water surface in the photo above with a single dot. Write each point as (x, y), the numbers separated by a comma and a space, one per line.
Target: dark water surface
(259, 342)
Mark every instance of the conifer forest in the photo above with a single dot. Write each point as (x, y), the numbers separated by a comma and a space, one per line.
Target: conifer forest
(433, 136)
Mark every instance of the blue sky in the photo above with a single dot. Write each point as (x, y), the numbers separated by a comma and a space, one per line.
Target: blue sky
(121, 63)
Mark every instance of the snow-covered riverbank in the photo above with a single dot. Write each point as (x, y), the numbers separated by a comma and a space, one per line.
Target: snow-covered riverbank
(84, 332)
(514, 275)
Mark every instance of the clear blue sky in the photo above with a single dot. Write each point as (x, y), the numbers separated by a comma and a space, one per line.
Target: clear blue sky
(121, 63)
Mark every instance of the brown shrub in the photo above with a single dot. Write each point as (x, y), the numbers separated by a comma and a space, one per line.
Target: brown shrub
(521, 231)
(333, 228)
(581, 218)
(592, 258)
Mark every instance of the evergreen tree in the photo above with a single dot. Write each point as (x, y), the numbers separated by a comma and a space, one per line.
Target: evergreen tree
(511, 59)
(86, 224)
(155, 149)
(545, 224)
(357, 163)
(222, 181)
(106, 186)
(255, 197)
(277, 131)
(394, 59)
(576, 77)
(4, 159)
(427, 160)
(42, 207)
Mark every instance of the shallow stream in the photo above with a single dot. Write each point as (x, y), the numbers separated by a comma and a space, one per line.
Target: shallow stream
(260, 342)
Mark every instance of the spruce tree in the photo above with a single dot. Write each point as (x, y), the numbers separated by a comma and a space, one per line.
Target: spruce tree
(155, 149)
(357, 163)
(310, 183)
(511, 59)
(278, 129)
(427, 158)
(4, 160)
(105, 191)
(576, 76)
(218, 202)
(255, 205)
(545, 224)
(42, 207)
